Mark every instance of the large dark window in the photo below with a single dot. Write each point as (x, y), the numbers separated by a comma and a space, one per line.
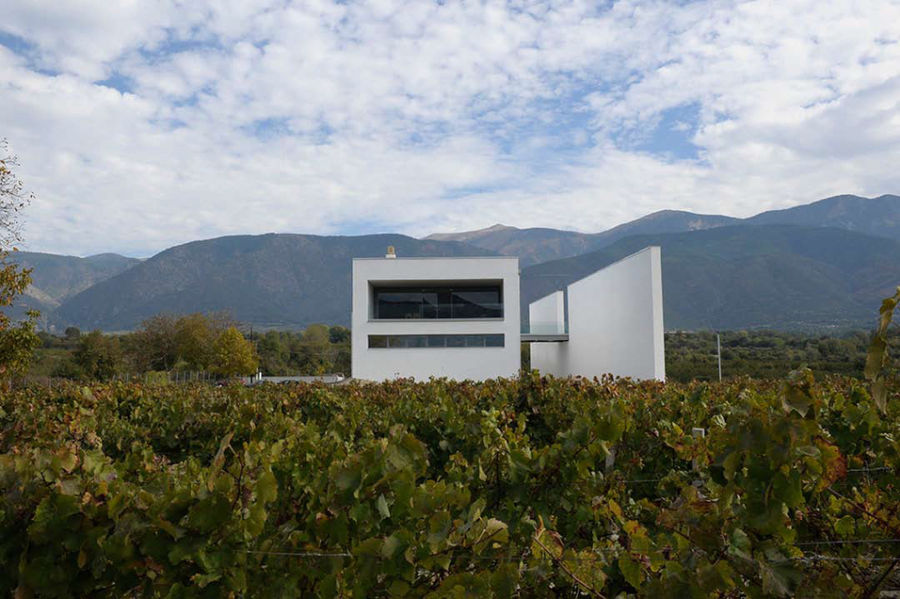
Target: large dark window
(482, 301)
(417, 341)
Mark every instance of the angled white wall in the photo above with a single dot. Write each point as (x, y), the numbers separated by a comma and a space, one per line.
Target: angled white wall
(615, 323)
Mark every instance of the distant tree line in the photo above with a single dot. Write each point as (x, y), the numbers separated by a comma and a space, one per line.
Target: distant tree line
(767, 354)
(195, 342)
(214, 344)
(318, 349)
(209, 343)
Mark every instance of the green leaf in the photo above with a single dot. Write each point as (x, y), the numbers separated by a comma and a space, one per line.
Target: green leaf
(185, 550)
(369, 547)
(740, 545)
(630, 570)
(392, 546)
(209, 513)
(788, 488)
(798, 391)
(879, 395)
(266, 487)
(877, 358)
(52, 512)
(779, 578)
(611, 425)
(94, 461)
(845, 526)
(218, 461)
(256, 519)
(382, 506)
(201, 580)
(349, 477)
(495, 532)
(398, 588)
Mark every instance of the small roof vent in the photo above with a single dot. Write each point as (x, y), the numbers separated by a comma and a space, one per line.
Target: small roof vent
(391, 253)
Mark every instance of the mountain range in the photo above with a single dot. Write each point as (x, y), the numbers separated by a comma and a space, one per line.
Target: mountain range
(816, 266)
(55, 278)
(273, 280)
(751, 276)
(873, 216)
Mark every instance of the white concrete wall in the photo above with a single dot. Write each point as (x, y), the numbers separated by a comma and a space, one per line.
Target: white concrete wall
(547, 316)
(615, 320)
(475, 363)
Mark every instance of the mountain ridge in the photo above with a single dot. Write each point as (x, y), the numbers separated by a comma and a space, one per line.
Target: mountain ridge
(55, 278)
(258, 278)
(879, 216)
(751, 276)
(292, 280)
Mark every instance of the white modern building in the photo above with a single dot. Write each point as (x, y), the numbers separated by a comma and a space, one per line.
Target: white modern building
(441, 317)
(459, 318)
(612, 322)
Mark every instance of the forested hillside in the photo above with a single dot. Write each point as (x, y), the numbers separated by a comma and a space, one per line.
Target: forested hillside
(825, 274)
(873, 216)
(773, 276)
(286, 281)
(56, 278)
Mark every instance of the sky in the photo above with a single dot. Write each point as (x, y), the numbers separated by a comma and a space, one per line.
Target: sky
(139, 125)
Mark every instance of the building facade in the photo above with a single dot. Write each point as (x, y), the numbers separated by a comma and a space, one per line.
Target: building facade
(612, 322)
(435, 317)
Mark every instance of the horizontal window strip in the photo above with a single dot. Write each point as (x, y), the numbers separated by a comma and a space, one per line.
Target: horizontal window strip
(431, 303)
(434, 341)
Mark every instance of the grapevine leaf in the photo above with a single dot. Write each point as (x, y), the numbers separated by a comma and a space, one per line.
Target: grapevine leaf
(209, 513)
(740, 545)
(779, 578)
(798, 394)
(382, 506)
(495, 531)
(266, 487)
(630, 570)
(616, 510)
(844, 526)
(256, 519)
(877, 359)
(202, 580)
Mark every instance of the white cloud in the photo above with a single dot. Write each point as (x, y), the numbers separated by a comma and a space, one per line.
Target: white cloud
(325, 117)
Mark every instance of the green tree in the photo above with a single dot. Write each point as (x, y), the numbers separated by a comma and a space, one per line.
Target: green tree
(72, 334)
(194, 338)
(315, 350)
(274, 353)
(338, 334)
(17, 341)
(154, 346)
(98, 356)
(233, 355)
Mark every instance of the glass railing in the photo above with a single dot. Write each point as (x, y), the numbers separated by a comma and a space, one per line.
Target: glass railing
(546, 328)
(439, 311)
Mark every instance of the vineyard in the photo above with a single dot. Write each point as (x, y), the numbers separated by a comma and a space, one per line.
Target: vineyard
(528, 487)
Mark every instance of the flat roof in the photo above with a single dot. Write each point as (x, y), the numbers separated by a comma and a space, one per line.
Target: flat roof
(443, 258)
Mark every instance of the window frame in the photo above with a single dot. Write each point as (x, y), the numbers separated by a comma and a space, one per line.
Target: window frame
(447, 304)
(459, 341)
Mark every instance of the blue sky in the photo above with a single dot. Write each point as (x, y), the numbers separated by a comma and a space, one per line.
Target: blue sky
(142, 125)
